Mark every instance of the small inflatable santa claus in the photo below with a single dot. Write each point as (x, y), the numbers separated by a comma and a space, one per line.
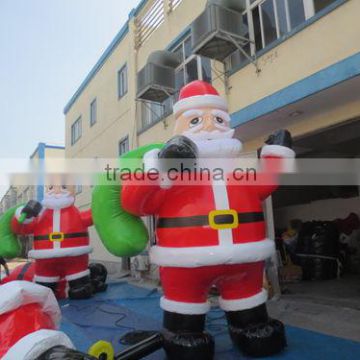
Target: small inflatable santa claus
(29, 321)
(61, 240)
(209, 233)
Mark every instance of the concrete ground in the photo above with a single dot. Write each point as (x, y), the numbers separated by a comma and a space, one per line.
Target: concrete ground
(331, 307)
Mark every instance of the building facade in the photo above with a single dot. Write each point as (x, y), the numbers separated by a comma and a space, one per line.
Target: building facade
(21, 194)
(308, 57)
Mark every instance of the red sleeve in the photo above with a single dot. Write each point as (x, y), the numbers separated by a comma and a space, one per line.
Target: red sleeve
(141, 199)
(274, 160)
(268, 178)
(86, 218)
(22, 229)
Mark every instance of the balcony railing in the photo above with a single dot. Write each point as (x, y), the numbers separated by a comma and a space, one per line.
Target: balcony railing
(151, 17)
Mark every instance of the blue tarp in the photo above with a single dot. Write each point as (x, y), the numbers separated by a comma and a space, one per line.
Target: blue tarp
(123, 308)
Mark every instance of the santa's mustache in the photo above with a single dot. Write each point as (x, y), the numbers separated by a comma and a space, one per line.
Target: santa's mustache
(58, 200)
(60, 195)
(196, 134)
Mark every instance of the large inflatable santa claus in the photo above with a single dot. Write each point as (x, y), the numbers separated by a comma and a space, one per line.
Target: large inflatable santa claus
(29, 321)
(211, 232)
(61, 240)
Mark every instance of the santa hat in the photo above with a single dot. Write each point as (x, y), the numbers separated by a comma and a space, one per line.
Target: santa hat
(199, 94)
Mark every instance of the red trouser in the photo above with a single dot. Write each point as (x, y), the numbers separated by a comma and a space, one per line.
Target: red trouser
(70, 268)
(186, 289)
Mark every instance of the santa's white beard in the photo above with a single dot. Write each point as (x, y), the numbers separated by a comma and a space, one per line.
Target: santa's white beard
(57, 202)
(215, 144)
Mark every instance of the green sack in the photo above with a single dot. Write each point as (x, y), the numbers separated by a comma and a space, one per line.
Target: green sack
(9, 243)
(122, 234)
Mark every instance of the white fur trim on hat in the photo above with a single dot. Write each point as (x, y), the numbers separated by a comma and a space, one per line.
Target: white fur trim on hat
(31, 346)
(212, 255)
(56, 253)
(19, 293)
(185, 308)
(200, 101)
(244, 304)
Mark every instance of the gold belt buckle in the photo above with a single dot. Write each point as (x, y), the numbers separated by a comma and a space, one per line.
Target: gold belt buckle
(234, 224)
(56, 236)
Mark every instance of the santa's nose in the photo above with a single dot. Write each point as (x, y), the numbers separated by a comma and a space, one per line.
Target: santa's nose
(208, 125)
(57, 190)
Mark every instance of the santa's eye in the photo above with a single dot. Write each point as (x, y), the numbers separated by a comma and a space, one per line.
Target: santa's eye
(51, 187)
(64, 187)
(219, 120)
(195, 121)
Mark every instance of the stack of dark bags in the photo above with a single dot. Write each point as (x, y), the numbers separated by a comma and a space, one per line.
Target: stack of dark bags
(318, 251)
(326, 249)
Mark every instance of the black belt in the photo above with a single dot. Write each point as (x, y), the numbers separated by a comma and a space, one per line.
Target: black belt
(203, 220)
(57, 236)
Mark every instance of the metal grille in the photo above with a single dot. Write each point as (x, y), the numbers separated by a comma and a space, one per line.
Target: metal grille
(149, 22)
(173, 4)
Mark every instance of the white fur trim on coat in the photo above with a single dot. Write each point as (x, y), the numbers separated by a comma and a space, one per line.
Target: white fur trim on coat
(199, 101)
(78, 275)
(151, 160)
(184, 307)
(277, 151)
(61, 252)
(244, 304)
(46, 279)
(212, 255)
(15, 294)
(18, 214)
(30, 347)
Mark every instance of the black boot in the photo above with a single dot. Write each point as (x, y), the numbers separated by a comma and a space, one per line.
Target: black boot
(52, 286)
(80, 288)
(185, 339)
(254, 333)
(98, 274)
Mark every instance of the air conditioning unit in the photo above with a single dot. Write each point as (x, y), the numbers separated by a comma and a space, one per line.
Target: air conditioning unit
(217, 31)
(156, 80)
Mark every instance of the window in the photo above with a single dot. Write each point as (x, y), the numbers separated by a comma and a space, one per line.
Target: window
(124, 145)
(193, 67)
(93, 112)
(322, 4)
(269, 20)
(122, 81)
(76, 131)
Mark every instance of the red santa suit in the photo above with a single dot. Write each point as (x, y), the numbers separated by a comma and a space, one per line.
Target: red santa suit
(26, 272)
(209, 233)
(61, 243)
(29, 318)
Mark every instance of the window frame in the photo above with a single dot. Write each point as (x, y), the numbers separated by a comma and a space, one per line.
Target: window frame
(309, 11)
(122, 90)
(123, 140)
(91, 121)
(77, 122)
